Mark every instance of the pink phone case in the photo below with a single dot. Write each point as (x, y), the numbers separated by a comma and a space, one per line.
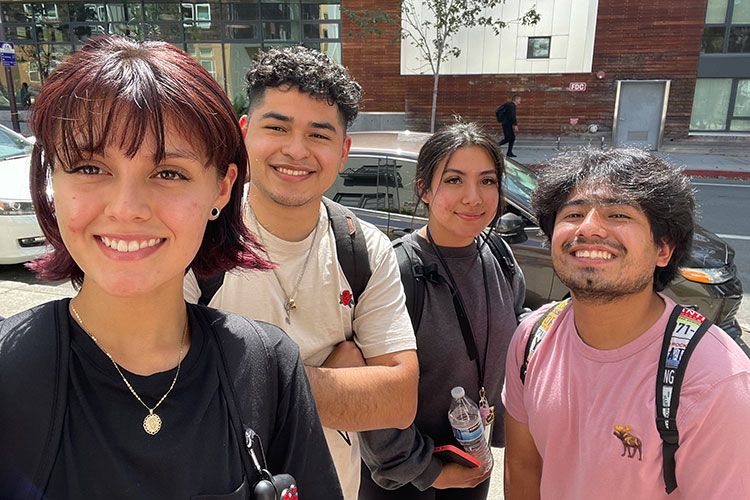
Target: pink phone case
(450, 453)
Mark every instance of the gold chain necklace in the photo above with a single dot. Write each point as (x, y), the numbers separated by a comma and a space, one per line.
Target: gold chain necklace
(290, 304)
(152, 422)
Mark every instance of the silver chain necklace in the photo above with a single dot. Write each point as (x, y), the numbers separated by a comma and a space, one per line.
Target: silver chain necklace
(290, 303)
(152, 422)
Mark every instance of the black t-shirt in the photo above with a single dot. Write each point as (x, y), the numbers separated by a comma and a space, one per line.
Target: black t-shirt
(104, 451)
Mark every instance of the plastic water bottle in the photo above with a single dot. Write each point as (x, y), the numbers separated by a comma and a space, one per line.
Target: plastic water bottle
(468, 427)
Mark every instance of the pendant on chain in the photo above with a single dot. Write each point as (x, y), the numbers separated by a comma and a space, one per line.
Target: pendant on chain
(288, 307)
(152, 423)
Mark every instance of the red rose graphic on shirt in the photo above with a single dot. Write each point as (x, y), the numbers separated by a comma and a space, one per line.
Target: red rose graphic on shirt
(346, 298)
(290, 494)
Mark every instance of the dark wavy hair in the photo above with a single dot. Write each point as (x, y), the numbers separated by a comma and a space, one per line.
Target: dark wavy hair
(447, 141)
(115, 92)
(660, 189)
(312, 72)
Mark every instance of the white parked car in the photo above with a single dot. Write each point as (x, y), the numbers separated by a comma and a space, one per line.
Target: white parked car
(21, 238)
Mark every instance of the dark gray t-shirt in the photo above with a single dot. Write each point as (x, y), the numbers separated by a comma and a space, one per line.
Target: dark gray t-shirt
(443, 358)
(399, 457)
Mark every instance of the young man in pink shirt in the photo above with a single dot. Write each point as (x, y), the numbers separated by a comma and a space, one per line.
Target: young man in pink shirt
(582, 423)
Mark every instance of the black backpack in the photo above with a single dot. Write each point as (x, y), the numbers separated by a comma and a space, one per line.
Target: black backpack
(351, 250)
(414, 274)
(500, 114)
(684, 330)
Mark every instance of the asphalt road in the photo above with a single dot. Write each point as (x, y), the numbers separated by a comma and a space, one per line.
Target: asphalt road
(722, 208)
(722, 205)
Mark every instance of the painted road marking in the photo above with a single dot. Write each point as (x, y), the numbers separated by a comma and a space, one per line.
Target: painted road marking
(733, 237)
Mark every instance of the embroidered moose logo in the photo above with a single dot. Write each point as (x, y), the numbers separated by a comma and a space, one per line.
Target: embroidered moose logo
(630, 443)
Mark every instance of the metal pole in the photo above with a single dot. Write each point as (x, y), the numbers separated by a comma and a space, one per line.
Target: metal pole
(12, 100)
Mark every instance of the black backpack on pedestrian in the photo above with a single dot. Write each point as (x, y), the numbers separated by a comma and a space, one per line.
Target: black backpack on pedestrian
(414, 274)
(351, 251)
(500, 113)
(684, 330)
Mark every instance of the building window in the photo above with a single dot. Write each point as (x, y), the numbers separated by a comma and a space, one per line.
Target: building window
(727, 28)
(538, 47)
(716, 11)
(740, 121)
(710, 104)
(721, 105)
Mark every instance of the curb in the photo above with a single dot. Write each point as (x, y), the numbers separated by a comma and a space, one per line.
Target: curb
(722, 174)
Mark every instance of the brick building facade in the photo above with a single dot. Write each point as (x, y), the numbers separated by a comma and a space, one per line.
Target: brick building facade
(634, 40)
(694, 52)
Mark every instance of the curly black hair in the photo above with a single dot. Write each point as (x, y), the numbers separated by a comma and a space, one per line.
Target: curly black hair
(661, 190)
(312, 72)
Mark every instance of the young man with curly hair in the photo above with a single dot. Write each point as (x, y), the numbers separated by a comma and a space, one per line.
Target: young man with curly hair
(360, 358)
(581, 410)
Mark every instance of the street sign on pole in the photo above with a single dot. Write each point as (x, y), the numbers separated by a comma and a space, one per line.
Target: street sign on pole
(8, 58)
(7, 54)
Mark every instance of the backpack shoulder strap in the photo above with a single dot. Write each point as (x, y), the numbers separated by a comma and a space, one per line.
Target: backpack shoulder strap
(538, 332)
(413, 285)
(244, 371)
(32, 407)
(502, 253)
(351, 247)
(209, 286)
(684, 330)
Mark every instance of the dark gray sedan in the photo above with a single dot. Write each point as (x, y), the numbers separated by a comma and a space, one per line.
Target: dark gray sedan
(377, 182)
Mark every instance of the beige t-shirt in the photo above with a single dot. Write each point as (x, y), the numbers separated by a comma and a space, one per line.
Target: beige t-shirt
(323, 318)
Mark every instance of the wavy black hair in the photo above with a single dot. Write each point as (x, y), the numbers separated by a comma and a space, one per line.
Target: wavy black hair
(312, 72)
(661, 190)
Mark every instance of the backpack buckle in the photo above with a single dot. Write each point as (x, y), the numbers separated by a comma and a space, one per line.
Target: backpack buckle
(429, 272)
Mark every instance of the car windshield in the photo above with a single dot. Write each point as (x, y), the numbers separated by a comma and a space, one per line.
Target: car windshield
(519, 181)
(12, 145)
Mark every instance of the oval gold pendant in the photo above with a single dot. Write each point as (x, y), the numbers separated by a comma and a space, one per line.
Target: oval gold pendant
(152, 423)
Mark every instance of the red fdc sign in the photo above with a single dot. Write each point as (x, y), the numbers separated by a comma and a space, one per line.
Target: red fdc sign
(577, 87)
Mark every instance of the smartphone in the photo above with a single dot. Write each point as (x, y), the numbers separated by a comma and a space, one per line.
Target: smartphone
(450, 453)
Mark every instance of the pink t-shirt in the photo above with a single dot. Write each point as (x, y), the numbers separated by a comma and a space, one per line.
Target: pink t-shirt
(575, 395)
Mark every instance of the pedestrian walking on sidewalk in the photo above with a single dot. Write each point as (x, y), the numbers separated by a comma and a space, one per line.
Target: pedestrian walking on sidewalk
(506, 115)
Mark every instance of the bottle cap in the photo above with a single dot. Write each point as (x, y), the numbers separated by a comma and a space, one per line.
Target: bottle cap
(458, 392)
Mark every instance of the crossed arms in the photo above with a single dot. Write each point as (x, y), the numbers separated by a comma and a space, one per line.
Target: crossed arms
(354, 394)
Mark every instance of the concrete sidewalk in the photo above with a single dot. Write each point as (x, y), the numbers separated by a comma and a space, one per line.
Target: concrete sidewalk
(700, 164)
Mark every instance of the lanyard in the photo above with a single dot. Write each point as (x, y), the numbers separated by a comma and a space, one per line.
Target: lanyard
(463, 320)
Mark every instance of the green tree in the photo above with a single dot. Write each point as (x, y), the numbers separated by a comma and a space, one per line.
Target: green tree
(433, 34)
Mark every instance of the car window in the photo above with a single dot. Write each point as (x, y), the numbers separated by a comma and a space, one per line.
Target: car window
(12, 145)
(376, 182)
(520, 181)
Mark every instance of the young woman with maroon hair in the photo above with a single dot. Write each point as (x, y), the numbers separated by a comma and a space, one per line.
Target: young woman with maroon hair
(125, 391)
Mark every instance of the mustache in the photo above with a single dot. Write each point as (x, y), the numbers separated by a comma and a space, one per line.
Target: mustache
(594, 241)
